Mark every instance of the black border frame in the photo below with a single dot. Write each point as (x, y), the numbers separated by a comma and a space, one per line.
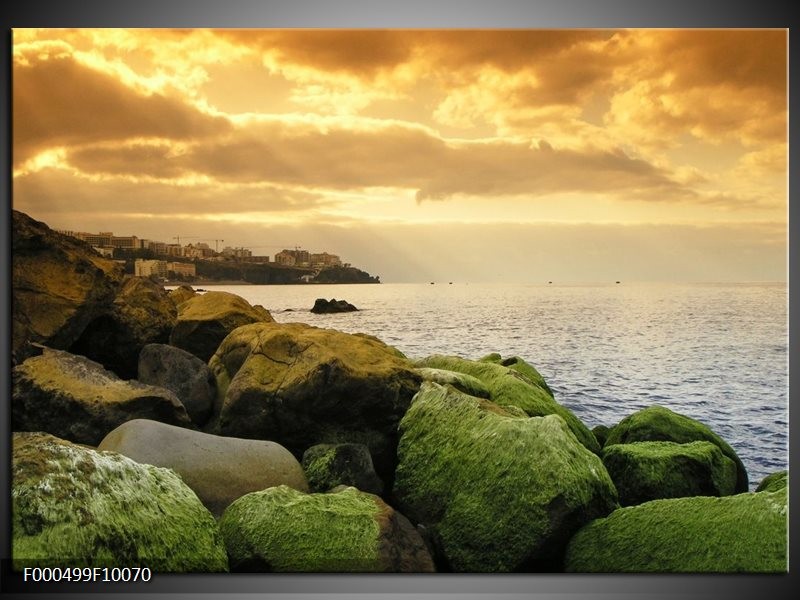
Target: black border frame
(385, 14)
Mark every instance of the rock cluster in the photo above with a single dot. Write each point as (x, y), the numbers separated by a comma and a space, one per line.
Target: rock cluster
(190, 432)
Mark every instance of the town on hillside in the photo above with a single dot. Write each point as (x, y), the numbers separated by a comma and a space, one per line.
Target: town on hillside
(197, 261)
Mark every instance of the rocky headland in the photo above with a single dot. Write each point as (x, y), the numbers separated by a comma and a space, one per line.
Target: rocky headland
(190, 432)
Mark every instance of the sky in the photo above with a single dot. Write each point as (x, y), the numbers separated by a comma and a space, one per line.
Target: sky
(418, 155)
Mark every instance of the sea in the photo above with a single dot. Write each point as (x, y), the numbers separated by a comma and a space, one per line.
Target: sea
(716, 352)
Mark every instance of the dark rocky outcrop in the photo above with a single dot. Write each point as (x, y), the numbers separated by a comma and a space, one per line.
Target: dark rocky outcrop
(59, 285)
(76, 399)
(280, 529)
(331, 465)
(745, 533)
(644, 471)
(188, 377)
(300, 386)
(205, 320)
(497, 491)
(601, 434)
(218, 469)
(141, 314)
(509, 387)
(76, 507)
(660, 424)
(322, 306)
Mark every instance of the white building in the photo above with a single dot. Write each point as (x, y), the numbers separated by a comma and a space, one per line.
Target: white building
(146, 268)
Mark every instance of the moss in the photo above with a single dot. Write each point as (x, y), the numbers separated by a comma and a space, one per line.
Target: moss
(73, 506)
(318, 470)
(499, 492)
(659, 424)
(509, 388)
(329, 465)
(746, 533)
(461, 381)
(774, 482)
(645, 471)
(281, 529)
(601, 434)
(515, 363)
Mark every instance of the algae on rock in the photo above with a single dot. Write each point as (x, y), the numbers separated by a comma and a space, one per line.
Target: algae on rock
(74, 507)
(660, 424)
(499, 492)
(281, 529)
(508, 387)
(644, 471)
(745, 533)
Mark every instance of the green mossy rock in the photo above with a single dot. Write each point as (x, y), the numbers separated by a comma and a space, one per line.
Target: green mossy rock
(520, 366)
(76, 399)
(461, 381)
(205, 320)
(508, 387)
(280, 529)
(746, 533)
(329, 465)
(498, 492)
(73, 506)
(644, 471)
(601, 434)
(659, 424)
(300, 386)
(774, 482)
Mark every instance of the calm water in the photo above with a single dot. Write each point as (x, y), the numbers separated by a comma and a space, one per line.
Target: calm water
(714, 352)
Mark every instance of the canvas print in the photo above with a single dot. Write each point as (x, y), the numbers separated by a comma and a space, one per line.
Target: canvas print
(460, 301)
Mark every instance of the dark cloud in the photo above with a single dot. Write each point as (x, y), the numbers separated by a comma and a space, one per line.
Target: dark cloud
(58, 101)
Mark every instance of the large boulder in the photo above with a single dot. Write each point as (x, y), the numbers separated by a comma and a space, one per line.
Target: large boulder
(76, 399)
(330, 465)
(280, 529)
(497, 491)
(75, 507)
(322, 306)
(660, 424)
(188, 377)
(645, 471)
(59, 285)
(746, 533)
(300, 386)
(218, 469)
(509, 387)
(205, 320)
(141, 314)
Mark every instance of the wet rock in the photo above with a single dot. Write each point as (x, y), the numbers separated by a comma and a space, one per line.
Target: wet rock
(218, 469)
(181, 294)
(75, 507)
